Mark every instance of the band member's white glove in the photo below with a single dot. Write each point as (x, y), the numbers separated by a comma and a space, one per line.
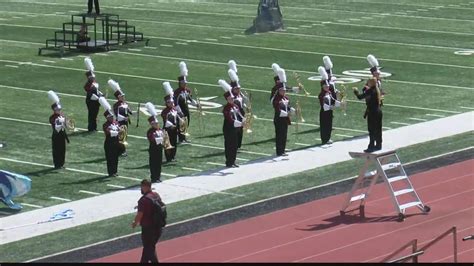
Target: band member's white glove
(94, 97)
(243, 120)
(58, 128)
(159, 140)
(283, 113)
(326, 107)
(61, 120)
(114, 133)
(168, 124)
(237, 123)
(292, 110)
(337, 104)
(121, 118)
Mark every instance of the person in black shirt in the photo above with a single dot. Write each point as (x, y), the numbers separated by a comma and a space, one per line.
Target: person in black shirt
(89, 7)
(372, 95)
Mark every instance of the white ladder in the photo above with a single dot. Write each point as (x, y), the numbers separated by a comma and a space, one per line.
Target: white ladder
(388, 166)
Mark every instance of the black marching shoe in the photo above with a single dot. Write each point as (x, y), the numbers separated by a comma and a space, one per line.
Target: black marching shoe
(377, 148)
(369, 150)
(235, 166)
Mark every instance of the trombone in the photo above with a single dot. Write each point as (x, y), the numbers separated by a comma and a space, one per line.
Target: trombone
(71, 124)
(199, 109)
(342, 95)
(300, 85)
(249, 117)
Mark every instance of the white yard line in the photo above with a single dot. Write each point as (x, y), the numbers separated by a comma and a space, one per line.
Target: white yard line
(418, 119)
(68, 169)
(387, 128)
(67, 59)
(12, 66)
(150, 47)
(211, 40)
(242, 159)
(134, 49)
(226, 37)
(302, 144)
(400, 123)
(48, 61)
(115, 186)
(345, 136)
(89, 192)
(61, 199)
(32, 205)
(436, 115)
(181, 43)
(166, 45)
(191, 169)
(218, 164)
(469, 108)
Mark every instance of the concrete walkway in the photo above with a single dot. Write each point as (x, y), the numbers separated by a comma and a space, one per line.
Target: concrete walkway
(187, 187)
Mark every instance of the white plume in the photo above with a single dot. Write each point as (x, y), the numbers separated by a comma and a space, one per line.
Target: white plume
(114, 85)
(53, 97)
(104, 103)
(167, 88)
(282, 75)
(275, 68)
(224, 85)
(372, 61)
(233, 65)
(183, 69)
(151, 109)
(233, 76)
(327, 62)
(89, 65)
(323, 73)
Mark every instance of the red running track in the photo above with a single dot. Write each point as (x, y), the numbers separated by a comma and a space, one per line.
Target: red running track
(315, 232)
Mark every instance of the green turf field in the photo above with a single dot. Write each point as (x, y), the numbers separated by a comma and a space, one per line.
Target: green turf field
(416, 43)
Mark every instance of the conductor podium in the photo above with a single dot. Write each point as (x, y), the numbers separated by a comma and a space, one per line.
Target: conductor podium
(92, 32)
(389, 168)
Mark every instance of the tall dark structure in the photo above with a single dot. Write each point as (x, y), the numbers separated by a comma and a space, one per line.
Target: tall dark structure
(269, 17)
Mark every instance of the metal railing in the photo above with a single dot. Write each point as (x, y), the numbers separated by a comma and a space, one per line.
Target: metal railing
(422, 250)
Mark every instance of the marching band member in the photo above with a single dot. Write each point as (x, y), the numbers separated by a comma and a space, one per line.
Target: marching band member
(277, 80)
(327, 100)
(331, 78)
(239, 100)
(374, 69)
(372, 95)
(111, 144)
(231, 125)
(59, 136)
(171, 121)
(155, 149)
(281, 119)
(182, 95)
(121, 111)
(93, 94)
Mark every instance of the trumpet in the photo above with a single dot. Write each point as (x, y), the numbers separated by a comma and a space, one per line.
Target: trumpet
(122, 135)
(166, 141)
(300, 85)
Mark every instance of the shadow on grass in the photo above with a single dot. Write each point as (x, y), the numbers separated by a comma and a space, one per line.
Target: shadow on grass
(41, 172)
(7, 211)
(99, 179)
(98, 160)
(145, 166)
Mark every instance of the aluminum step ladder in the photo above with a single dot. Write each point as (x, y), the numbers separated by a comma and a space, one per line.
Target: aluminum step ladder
(390, 169)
